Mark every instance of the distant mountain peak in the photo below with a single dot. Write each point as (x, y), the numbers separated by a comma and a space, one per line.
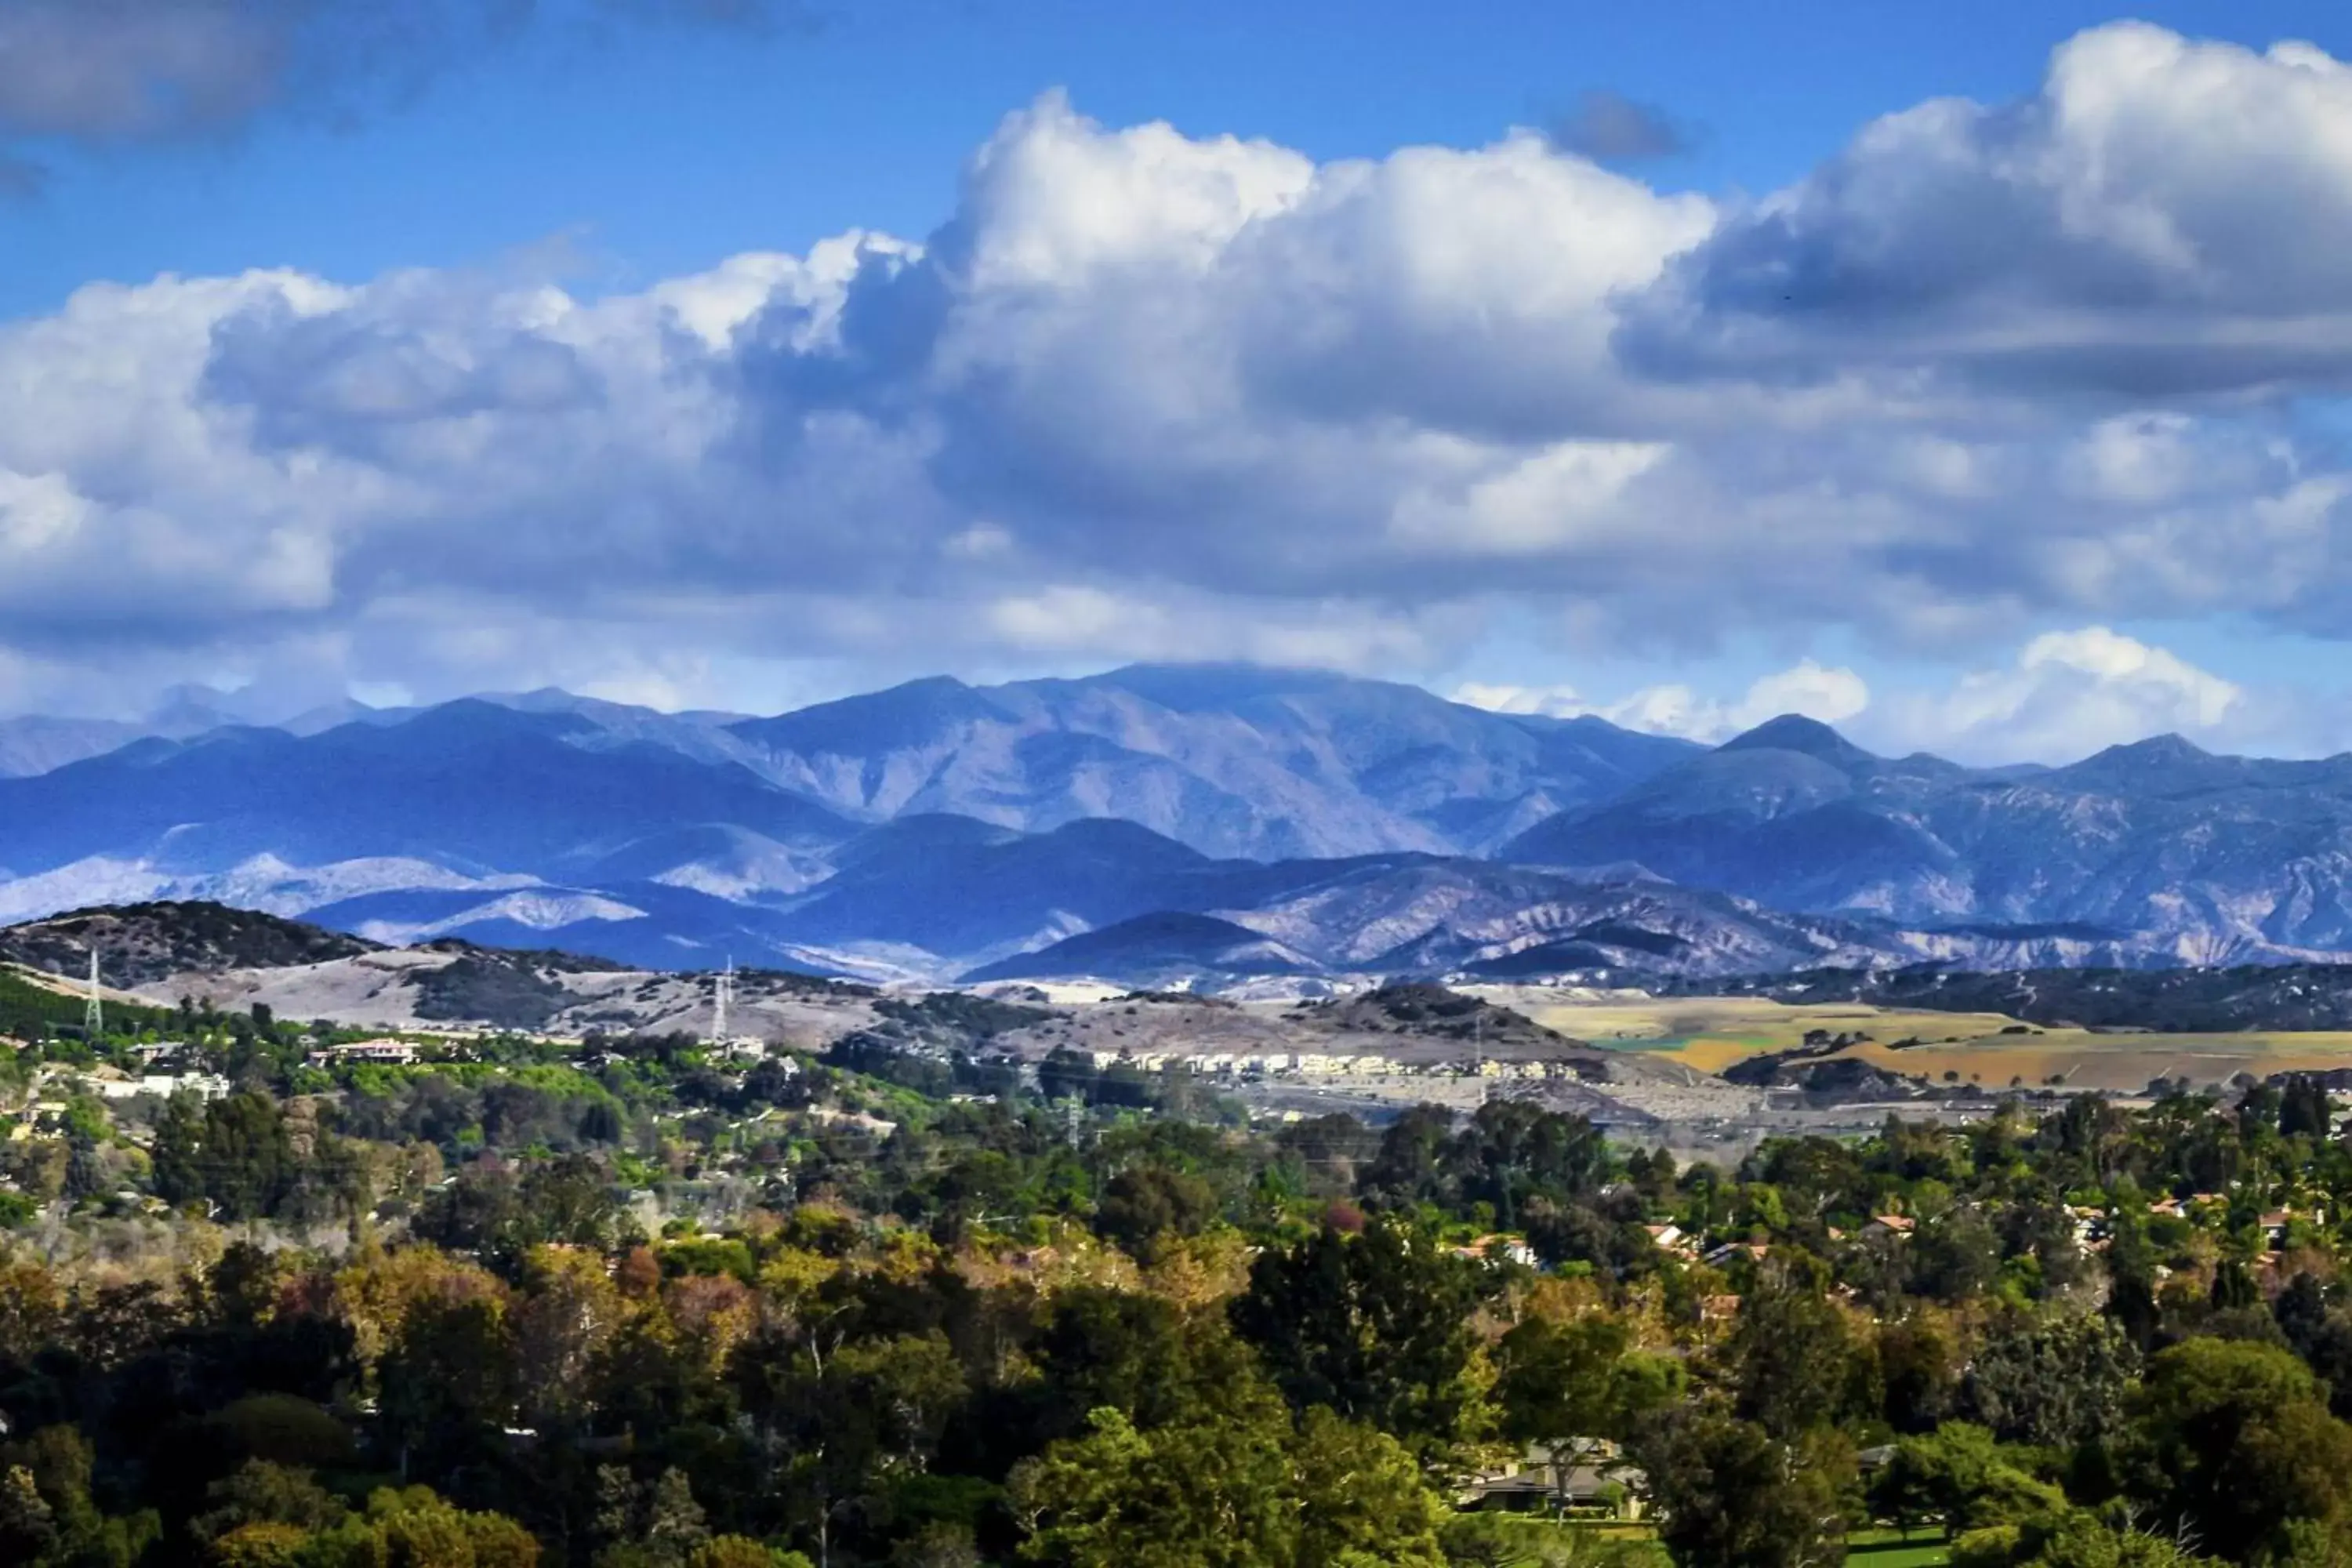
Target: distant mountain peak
(907, 715)
(1795, 733)
(2159, 762)
(2156, 750)
(1208, 685)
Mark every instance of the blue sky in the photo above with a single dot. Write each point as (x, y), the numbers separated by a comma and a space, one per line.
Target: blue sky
(355, 446)
(659, 150)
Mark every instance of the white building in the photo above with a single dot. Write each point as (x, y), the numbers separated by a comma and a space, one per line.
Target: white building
(210, 1085)
(387, 1049)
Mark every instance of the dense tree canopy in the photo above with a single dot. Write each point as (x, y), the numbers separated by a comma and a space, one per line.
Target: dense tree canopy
(630, 1305)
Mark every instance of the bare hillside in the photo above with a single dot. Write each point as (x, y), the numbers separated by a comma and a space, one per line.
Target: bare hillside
(140, 943)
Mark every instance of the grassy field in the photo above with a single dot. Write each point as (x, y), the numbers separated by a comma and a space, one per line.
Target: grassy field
(1711, 1033)
(1543, 1544)
(1886, 1549)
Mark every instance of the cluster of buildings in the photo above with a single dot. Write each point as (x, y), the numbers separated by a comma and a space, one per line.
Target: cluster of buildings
(166, 1067)
(1320, 1064)
(210, 1085)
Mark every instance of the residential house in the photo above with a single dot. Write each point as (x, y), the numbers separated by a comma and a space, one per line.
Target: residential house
(1498, 1249)
(1586, 1478)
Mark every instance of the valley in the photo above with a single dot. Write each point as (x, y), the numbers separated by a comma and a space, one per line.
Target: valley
(1696, 1074)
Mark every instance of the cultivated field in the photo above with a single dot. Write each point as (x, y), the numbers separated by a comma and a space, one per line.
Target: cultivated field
(1711, 1033)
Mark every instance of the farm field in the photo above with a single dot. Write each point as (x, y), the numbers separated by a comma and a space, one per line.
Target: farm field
(1711, 1034)
(2118, 1063)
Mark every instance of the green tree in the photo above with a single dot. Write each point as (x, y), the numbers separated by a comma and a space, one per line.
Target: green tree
(1142, 1205)
(246, 1160)
(1728, 1494)
(1375, 1326)
(177, 1152)
(676, 1528)
(260, 1492)
(27, 1527)
(846, 1415)
(1208, 1496)
(448, 1381)
(1228, 1494)
(1918, 1369)
(412, 1526)
(2234, 1441)
(1143, 1356)
(1362, 1501)
(2054, 1378)
(1794, 1360)
(1571, 1386)
(1958, 1475)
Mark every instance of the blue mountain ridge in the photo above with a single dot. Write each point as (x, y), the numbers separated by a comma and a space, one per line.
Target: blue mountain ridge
(938, 828)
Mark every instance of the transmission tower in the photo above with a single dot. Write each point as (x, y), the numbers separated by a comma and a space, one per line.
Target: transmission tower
(724, 987)
(93, 1012)
(1478, 1052)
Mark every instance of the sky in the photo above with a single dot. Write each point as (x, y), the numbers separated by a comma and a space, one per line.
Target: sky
(1973, 378)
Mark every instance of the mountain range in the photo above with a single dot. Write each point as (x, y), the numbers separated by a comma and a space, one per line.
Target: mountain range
(1166, 825)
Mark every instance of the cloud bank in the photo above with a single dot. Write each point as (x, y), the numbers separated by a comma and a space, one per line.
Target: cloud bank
(1988, 373)
(2063, 696)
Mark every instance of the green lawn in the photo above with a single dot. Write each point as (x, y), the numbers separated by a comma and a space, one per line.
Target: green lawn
(1886, 1548)
(1548, 1544)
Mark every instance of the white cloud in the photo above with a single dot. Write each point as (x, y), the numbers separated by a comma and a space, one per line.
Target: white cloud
(2062, 696)
(1551, 702)
(1829, 695)
(2067, 694)
(1832, 696)
(1148, 395)
(2163, 217)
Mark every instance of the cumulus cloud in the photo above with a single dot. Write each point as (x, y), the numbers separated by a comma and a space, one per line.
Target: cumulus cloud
(1811, 689)
(2066, 695)
(1831, 695)
(1146, 395)
(2162, 219)
(2062, 696)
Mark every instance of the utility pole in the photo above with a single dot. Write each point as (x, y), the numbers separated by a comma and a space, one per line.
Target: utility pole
(93, 1012)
